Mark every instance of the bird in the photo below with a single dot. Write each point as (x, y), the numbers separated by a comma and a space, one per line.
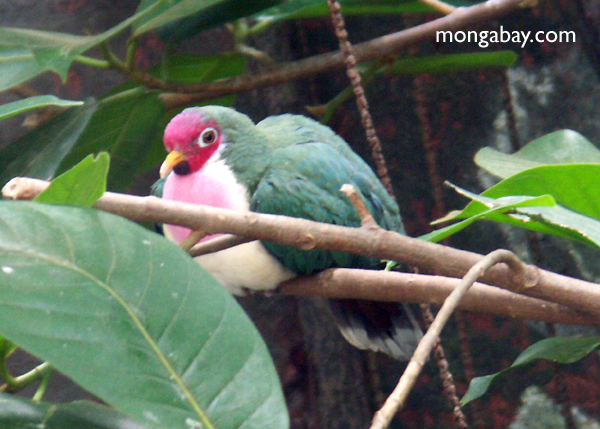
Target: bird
(284, 165)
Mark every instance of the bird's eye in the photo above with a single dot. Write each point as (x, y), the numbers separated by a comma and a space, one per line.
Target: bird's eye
(208, 137)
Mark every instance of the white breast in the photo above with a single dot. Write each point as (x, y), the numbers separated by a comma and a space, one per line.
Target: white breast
(248, 265)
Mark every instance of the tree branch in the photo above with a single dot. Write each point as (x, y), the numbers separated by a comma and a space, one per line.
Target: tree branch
(429, 257)
(396, 400)
(346, 283)
(390, 44)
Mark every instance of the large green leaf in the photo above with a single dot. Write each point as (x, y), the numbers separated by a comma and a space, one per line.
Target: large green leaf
(12, 109)
(562, 164)
(16, 412)
(557, 349)
(17, 64)
(123, 125)
(51, 50)
(179, 19)
(38, 153)
(534, 213)
(192, 68)
(81, 186)
(560, 147)
(131, 318)
(574, 186)
(483, 208)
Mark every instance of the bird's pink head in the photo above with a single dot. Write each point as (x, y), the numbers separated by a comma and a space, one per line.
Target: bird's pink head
(191, 139)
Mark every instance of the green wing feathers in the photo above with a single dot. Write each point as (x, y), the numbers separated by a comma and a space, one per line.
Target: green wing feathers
(304, 181)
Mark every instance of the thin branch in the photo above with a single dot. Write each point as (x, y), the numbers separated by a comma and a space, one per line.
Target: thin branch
(17, 383)
(112, 59)
(39, 393)
(92, 62)
(366, 51)
(396, 400)
(440, 6)
(429, 257)
(361, 99)
(255, 54)
(448, 384)
(366, 219)
(192, 239)
(216, 244)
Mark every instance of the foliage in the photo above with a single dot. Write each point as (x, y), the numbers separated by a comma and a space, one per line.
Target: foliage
(539, 192)
(84, 289)
(91, 293)
(549, 186)
(129, 118)
(557, 349)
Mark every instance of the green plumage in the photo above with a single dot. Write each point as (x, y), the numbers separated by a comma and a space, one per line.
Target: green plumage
(294, 166)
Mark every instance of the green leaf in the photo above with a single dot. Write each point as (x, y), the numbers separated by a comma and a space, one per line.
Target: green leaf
(17, 412)
(51, 51)
(123, 125)
(184, 18)
(306, 9)
(485, 208)
(551, 165)
(560, 147)
(527, 212)
(17, 65)
(191, 68)
(574, 186)
(38, 153)
(81, 186)
(557, 349)
(452, 62)
(561, 222)
(12, 109)
(133, 319)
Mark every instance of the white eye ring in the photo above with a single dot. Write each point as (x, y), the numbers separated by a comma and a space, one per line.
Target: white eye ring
(208, 137)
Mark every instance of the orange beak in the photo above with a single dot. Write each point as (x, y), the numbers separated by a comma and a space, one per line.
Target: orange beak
(172, 159)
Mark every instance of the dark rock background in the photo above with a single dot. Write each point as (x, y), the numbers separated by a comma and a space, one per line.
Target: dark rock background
(553, 86)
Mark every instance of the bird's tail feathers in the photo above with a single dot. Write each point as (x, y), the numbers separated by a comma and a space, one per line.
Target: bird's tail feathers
(391, 328)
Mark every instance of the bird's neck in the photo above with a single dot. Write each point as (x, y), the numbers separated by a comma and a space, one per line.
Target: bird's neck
(248, 157)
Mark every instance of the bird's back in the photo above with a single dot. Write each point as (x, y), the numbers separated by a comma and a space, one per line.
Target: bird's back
(309, 163)
(288, 130)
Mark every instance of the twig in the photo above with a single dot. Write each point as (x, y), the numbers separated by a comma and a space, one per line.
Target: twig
(366, 51)
(192, 238)
(440, 6)
(17, 383)
(216, 244)
(361, 99)
(366, 219)
(255, 54)
(39, 393)
(324, 112)
(449, 387)
(430, 257)
(396, 400)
